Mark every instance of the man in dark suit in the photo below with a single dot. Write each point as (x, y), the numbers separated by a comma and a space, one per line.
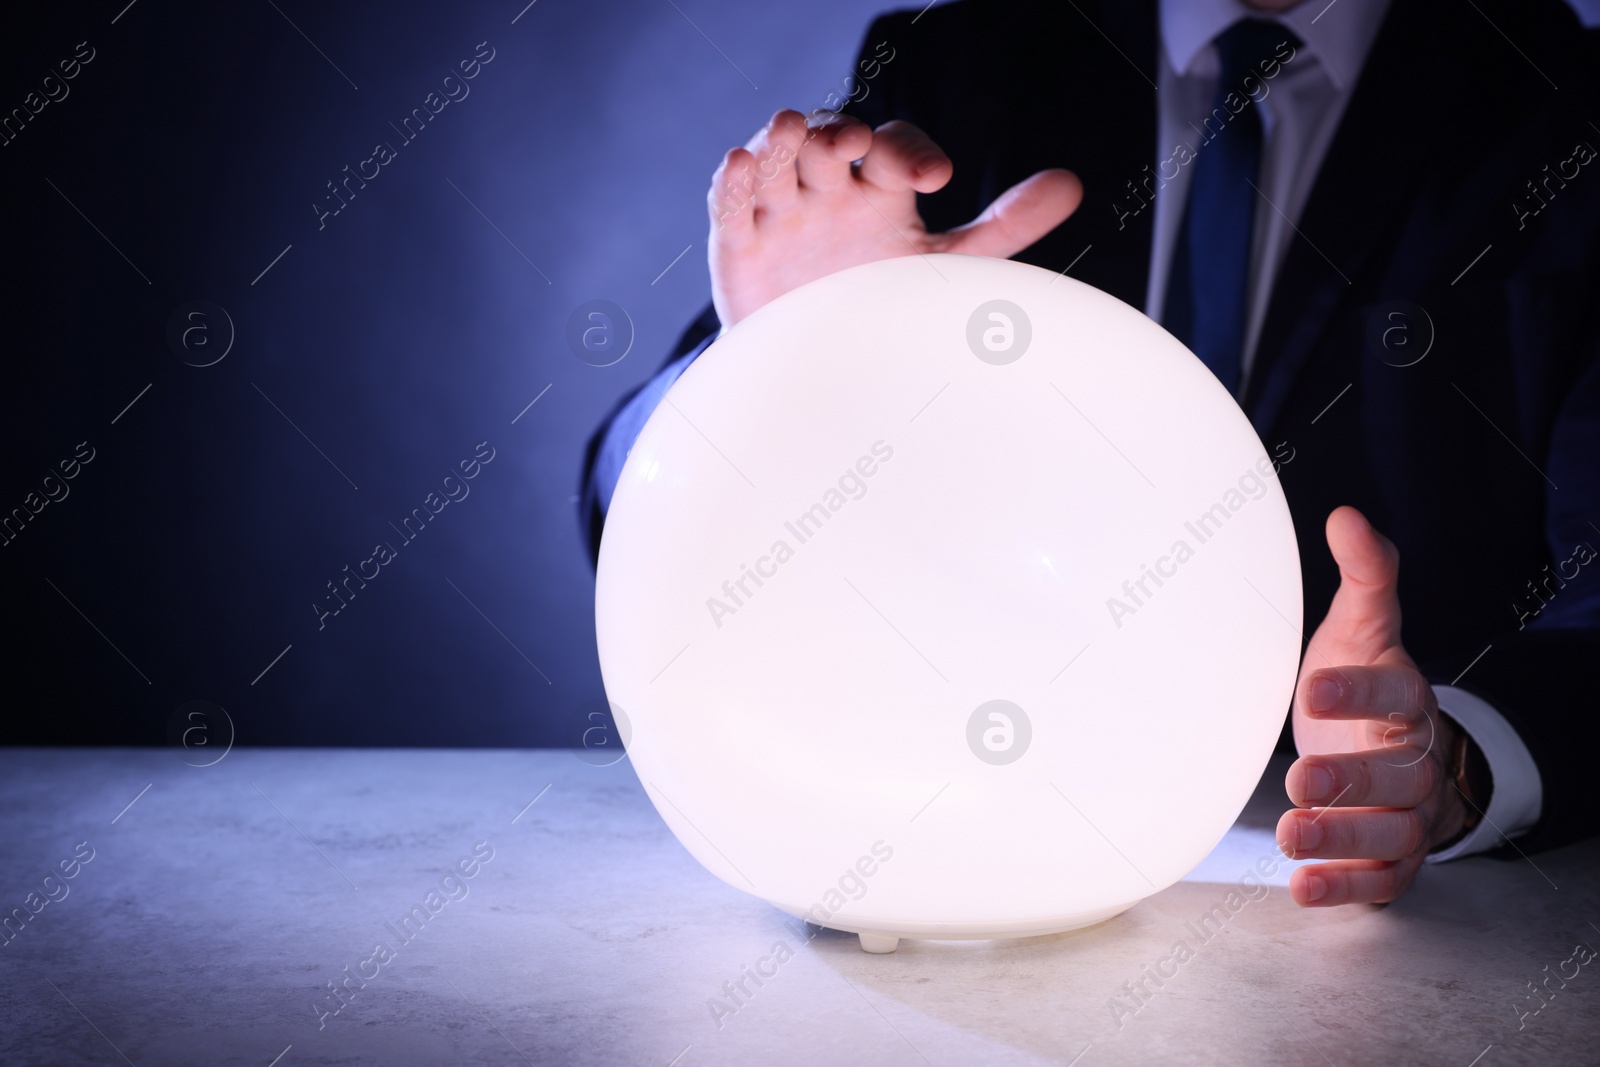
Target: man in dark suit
(1407, 293)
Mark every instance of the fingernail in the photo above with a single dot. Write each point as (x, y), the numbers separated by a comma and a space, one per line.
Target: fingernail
(1324, 694)
(1309, 833)
(1319, 783)
(1316, 888)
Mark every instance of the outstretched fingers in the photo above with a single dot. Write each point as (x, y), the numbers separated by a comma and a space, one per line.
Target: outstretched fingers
(1327, 885)
(1381, 778)
(1359, 833)
(1390, 692)
(1019, 216)
(775, 148)
(730, 200)
(902, 157)
(832, 145)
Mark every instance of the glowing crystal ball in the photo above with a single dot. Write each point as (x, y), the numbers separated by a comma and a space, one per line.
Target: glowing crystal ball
(947, 597)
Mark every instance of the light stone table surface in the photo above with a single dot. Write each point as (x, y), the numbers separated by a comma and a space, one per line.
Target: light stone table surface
(219, 904)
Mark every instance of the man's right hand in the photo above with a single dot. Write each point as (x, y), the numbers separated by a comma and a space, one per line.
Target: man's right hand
(792, 206)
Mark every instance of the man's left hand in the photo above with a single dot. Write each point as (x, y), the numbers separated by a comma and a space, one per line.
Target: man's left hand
(1374, 747)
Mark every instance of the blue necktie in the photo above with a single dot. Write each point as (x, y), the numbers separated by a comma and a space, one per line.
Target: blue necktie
(1208, 290)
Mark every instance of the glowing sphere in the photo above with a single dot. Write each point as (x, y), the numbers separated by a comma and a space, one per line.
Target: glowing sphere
(947, 597)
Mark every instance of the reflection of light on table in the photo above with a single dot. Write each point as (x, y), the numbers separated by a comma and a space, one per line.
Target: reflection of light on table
(1237, 855)
(1253, 837)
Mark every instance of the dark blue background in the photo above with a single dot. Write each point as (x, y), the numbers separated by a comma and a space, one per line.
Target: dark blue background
(396, 338)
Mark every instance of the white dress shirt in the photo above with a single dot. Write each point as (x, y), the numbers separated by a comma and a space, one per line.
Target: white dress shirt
(1300, 110)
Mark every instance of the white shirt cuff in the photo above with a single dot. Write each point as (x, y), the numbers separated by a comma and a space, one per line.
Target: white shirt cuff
(1518, 795)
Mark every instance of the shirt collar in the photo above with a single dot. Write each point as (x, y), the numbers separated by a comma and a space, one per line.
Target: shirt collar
(1339, 35)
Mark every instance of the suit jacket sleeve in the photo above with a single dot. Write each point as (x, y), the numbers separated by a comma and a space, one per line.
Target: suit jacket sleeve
(1539, 676)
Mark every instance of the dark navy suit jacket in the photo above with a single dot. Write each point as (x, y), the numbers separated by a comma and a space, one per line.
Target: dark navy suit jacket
(1458, 184)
